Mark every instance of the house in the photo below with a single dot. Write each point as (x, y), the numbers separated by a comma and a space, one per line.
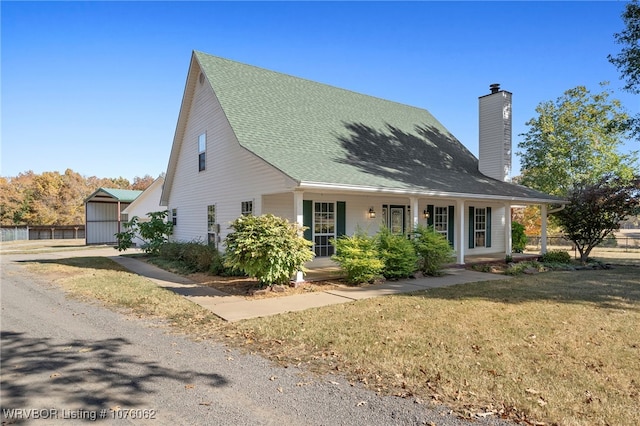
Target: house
(103, 214)
(148, 201)
(254, 141)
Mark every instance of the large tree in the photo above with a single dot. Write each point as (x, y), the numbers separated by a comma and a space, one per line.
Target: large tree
(628, 59)
(575, 139)
(595, 210)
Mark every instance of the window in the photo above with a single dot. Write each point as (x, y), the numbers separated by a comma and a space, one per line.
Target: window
(202, 151)
(246, 208)
(324, 227)
(480, 227)
(441, 220)
(212, 227)
(174, 216)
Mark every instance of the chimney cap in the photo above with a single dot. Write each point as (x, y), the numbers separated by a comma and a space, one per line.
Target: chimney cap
(495, 87)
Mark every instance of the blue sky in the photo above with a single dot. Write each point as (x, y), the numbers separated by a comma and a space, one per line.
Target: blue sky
(96, 86)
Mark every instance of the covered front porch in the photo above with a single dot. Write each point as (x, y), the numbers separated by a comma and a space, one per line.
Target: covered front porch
(476, 226)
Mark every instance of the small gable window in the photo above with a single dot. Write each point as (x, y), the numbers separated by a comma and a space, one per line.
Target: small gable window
(246, 208)
(202, 151)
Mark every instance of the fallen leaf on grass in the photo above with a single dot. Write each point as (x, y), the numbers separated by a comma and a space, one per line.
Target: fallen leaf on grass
(189, 386)
(531, 391)
(54, 375)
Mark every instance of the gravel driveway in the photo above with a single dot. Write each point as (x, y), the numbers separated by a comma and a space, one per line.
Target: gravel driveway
(72, 361)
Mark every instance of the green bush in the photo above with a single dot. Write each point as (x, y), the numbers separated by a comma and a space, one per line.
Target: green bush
(267, 247)
(519, 268)
(518, 237)
(170, 251)
(397, 254)
(358, 257)
(154, 233)
(193, 256)
(200, 257)
(556, 256)
(433, 250)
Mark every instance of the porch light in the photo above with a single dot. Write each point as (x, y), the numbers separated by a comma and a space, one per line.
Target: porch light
(425, 213)
(372, 213)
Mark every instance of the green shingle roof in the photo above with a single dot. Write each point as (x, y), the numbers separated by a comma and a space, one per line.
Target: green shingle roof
(316, 133)
(122, 195)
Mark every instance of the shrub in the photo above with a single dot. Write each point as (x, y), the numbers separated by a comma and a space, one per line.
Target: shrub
(358, 257)
(193, 256)
(433, 250)
(397, 254)
(518, 237)
(200, 257)
(556, 256)
(155, 232)
(519, 268)
(267, 247)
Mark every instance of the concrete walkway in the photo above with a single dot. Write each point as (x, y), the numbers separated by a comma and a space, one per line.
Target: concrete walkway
(235, 308)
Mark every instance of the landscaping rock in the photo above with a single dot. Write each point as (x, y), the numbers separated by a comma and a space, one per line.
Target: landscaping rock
(278, 288)
(531, 271)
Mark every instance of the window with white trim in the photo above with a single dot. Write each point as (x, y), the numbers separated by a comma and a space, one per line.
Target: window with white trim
(324, 227)
(174, 216)
(441, 220)
(202, 152)
(246, 208)
(480, 227)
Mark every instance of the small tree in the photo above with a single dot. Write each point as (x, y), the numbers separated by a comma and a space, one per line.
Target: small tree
(397, 253)
(595, 211)
(432, 248)
(267, 247)
(518, 237)
(154, 233)
(358, 256)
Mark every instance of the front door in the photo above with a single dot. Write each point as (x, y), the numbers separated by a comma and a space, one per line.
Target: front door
(396, 219)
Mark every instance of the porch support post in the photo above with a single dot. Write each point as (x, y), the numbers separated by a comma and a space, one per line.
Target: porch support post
(508, 242)
(543, 229)
(460, 233)
(415, 215)
(298, 214)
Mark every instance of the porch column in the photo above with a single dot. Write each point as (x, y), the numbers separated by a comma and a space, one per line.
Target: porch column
(543, 229)
(298, 214)
(415, 215)
(508, 242)
(460, 233)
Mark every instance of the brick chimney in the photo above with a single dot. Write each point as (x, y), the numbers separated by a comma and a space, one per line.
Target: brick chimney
(495, 134)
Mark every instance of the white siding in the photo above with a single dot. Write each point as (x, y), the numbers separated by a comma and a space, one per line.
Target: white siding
(495, 135)
(232, 174)
(147, 202)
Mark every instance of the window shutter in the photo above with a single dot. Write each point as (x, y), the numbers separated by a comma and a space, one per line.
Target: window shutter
(307, 219)
(451, 225)
(472, 225)
(488, 237)
(430, 210)
(341, 218)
